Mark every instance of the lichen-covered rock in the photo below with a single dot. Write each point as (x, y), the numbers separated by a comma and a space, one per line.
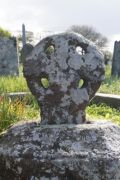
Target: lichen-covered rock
(8, 56)
(63, 60)
(65, 152)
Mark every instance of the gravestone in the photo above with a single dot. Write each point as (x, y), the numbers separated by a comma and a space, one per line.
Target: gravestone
(63, 60)
(116, 60)
(8, 56)
(23, 35)
(65, 148)
(27, 47)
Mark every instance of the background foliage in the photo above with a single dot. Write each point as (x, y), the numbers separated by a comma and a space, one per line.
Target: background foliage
(5, 33)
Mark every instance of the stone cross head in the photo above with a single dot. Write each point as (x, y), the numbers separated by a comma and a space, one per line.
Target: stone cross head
(63, 72)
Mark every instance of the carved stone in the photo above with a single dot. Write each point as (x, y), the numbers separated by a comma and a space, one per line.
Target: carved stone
(63, 60)
(60, 152)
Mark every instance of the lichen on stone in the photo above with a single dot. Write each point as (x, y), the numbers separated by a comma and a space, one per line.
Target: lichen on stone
(57, 59)
(87, 151)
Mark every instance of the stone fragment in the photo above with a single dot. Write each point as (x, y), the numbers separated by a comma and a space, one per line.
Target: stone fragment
(62, 61)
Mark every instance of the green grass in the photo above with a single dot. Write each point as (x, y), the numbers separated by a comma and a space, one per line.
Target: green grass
(103, 112)
(111, 85)
(17, 110)
(13, 84)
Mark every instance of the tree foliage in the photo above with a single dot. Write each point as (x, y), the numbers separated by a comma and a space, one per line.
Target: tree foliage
(107, 56)
(91, 34)
(4, 33)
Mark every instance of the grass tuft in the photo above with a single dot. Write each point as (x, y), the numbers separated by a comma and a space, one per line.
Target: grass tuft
(16, 110)
(111, 85)
(13, 84)
(102, 111)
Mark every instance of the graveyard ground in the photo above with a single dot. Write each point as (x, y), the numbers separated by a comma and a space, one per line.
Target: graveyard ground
(12, 111)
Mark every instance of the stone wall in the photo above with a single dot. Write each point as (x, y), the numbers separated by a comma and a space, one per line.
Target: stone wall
(8, 56)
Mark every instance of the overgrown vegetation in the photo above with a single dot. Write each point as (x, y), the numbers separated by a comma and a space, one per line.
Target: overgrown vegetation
(13, 84)
(12, 111)
(4, 33)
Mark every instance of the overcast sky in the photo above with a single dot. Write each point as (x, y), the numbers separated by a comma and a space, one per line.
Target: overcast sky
(58, 15)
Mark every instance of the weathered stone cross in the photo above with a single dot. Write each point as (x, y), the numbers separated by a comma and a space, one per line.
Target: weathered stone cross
(64, 61)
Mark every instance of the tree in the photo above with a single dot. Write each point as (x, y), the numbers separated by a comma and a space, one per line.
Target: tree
(4, 33)
(107, 56)
(91, 34)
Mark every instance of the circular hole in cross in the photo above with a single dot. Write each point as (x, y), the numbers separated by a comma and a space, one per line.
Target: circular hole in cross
(50, 49)
(80, 50)
(45, 82)
(81, 83)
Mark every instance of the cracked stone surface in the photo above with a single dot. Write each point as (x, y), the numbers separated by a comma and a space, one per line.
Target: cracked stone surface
(29, 151)
(63, 60)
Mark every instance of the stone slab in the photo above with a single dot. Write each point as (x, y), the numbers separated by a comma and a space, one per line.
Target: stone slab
(29, 151)
(8, 56)
(109, 99)
(116, 60)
